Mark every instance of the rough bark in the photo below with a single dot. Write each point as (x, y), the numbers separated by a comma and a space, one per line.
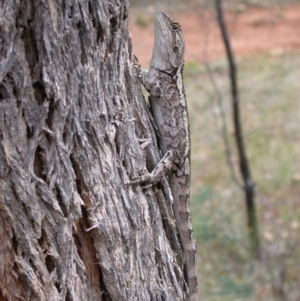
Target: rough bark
(72, 119)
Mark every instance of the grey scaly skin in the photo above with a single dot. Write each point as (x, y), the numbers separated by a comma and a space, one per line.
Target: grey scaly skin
(169, 108)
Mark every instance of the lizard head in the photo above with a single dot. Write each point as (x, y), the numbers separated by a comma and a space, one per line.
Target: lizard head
(168, 47)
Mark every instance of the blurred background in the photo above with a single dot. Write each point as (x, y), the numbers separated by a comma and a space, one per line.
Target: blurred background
(265, 37)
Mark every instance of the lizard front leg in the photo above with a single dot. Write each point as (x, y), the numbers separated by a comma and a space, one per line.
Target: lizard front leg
(149, 80)
(161, 169)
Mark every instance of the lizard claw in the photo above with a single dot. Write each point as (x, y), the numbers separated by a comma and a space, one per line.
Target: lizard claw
(136, 63)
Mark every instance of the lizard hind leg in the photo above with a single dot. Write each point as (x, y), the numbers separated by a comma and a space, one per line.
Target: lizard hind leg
(161, 169)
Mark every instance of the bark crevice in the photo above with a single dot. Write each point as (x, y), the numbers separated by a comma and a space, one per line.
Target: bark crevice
(71, 116)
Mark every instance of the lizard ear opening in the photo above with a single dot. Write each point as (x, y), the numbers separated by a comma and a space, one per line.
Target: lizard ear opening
(176, 49)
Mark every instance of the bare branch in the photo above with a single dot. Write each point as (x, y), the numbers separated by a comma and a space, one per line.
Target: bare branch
(243, 160)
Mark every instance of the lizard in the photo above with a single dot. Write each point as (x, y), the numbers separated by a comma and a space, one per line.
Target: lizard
(168, 105)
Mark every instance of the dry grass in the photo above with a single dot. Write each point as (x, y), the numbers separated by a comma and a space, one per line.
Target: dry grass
(270, 92)
(270, 89)
(234, 4)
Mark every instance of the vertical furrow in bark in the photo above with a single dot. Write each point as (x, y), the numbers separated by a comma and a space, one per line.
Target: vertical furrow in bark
(72, 116)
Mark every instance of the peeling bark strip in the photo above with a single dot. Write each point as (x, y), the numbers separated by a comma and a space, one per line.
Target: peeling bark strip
(71, 119)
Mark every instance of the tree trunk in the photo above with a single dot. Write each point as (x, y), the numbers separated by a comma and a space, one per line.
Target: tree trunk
(74, 129)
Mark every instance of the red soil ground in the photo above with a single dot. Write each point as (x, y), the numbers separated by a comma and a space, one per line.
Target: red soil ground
(254, 30)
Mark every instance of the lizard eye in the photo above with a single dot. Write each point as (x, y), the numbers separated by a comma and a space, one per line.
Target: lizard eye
(174, 26)
(176, 49)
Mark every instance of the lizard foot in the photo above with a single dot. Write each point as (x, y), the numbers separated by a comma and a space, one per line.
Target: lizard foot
(164, 165)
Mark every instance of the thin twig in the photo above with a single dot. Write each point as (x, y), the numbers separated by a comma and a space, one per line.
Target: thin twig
(219, 103)
(224, 130)
(243, 160)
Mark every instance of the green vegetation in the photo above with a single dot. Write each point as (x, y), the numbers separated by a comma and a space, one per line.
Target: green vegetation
(270, 113)
(142, 21)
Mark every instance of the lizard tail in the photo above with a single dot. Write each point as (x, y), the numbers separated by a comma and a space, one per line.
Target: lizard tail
(183, 220)
(190, 253)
